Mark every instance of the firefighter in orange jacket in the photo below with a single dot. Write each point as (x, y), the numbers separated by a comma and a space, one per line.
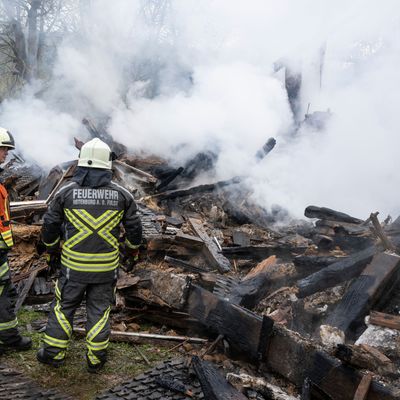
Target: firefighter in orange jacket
(9, 335)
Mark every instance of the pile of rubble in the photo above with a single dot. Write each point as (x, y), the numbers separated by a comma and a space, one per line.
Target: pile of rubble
(310, 308)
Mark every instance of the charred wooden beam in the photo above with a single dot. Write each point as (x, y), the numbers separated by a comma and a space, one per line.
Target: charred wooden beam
(263, 279)
(211, 250)
(338, 226)
(197, 189)
(213, 383)
(241, 328)
(335, 273)
(364, 292)
(341, 381)
(285, 252)
(365, 357)
(331, 215)
(167, 180)
(315, 263)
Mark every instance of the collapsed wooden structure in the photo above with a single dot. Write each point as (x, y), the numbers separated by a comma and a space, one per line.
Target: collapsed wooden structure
(292, 302)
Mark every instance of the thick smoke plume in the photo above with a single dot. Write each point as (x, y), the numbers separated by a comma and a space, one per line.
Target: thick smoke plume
(181, 76)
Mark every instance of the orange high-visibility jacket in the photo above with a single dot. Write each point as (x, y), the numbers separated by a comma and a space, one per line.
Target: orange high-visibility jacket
(6, 239)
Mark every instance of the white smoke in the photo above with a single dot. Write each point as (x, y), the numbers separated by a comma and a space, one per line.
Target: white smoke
(216, 89)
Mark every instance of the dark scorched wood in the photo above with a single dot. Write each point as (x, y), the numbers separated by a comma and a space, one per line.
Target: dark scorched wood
(335, 273)
(364, 292)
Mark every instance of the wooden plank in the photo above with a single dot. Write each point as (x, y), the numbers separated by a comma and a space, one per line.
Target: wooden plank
(263, 279)
(380, 233)
(213, 383)
(384, 320)
(240, 238)
(363, 387)
(172, 194)
(331, 215)
(285, 252)
(189, 240)
(341, 381)
(335, 273)
(211, 250)
(241, 328)
(364, 292)
(366, 357)
(25, 290)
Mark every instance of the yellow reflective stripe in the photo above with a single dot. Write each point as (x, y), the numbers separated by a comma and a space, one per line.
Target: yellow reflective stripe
(8, 325)
(96, 346)
(83, 231)
(130, 245)
(7, 237)
(62, 320)
(106, 267)
(92, 358)
(109, 256)
(1, 289)
(4, 269)
(57, 291)
(51, 341)
(60, 355)
(105, 232)
(95, 222)
(7, 234)
(53, 243)
(98, 326)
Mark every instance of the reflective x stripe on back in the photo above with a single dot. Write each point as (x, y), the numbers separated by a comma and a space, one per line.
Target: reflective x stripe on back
(86, 226)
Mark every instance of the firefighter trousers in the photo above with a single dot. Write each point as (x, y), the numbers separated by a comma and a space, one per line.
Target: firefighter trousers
(8, 322)
(69, 295)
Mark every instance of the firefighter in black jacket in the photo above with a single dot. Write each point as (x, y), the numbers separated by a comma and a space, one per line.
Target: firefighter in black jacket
(86, 215)
(9, 335)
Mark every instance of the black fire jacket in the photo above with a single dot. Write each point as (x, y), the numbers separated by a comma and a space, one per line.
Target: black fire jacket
(86, 214)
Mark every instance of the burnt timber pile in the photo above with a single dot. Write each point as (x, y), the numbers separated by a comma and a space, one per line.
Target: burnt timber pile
(306, 311)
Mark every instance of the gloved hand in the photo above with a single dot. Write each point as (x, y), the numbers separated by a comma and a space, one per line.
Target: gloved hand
(53, 262)
(131, 259)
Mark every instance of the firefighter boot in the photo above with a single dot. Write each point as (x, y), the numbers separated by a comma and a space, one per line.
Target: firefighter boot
(93, 368)
(22, 344)
(44, 357)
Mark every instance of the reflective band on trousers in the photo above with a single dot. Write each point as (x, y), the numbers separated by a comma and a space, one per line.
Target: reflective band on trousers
(54, 342)
(7, 237)
(91, 335)
(61, 318)
(8, 325)
(4, 269)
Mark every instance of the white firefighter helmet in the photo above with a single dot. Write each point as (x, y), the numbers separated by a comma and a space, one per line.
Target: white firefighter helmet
(95, 154)
(6, 139)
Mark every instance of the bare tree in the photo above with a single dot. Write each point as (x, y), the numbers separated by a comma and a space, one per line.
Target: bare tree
(27, 27)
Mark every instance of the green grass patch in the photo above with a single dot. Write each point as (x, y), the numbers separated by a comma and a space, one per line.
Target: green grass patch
(124, 362)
